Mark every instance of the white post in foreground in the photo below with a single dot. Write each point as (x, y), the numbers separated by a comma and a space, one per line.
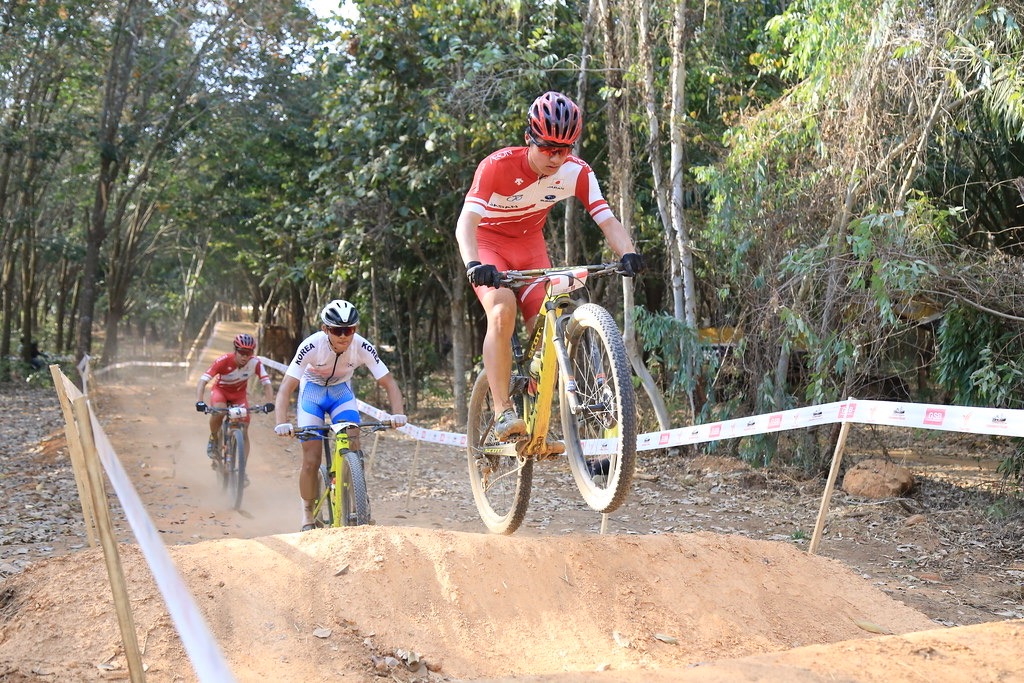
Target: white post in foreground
(105, 528)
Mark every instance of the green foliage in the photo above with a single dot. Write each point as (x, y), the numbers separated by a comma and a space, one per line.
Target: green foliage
(671, 349)
(978, 359)
(812, 39)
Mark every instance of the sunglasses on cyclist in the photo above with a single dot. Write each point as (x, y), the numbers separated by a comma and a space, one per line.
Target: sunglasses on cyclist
(549, 150)
(341, 331)
(244, 352)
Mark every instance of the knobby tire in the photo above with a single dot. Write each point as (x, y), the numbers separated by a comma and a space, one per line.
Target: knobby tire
(236, 473)
(355, 501)
(325, 513)
(221, 468)
(501, 484)
(597, 356)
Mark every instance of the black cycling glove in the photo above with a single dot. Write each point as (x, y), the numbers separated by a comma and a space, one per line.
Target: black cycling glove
(632, 264)
(200, 407)
(483, 275)
(268, 407)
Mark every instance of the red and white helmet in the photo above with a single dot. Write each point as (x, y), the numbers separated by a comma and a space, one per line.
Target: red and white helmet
(244, 342)
(554, 120)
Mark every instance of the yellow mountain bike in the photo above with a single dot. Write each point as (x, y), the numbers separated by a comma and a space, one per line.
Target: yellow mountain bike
(342, 496)
(577, 348)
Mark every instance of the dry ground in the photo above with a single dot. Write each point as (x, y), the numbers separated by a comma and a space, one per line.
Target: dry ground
(703, 575)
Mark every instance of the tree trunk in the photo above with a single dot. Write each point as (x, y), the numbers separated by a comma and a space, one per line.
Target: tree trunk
(460, 348)
(620, 150)
(661, 189)
(126, 31)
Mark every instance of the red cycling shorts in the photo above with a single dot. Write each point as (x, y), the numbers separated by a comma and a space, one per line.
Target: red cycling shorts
(232, 398)
(515, 253)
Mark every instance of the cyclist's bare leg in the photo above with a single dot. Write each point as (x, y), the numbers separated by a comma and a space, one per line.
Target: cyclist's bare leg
(308, 474)
(245, 433)
(215, 421)
(501, 308)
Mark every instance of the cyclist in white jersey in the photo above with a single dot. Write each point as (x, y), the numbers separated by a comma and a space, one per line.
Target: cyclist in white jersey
(321, 370)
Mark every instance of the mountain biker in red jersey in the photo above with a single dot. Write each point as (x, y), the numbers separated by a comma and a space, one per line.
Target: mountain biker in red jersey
(501, 228)
(230, 374)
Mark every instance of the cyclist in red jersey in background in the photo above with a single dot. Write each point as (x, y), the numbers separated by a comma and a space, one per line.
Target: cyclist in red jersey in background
(230, 374)
(501, 228)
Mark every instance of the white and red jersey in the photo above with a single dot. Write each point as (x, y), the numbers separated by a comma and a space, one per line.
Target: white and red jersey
(233, 378)
(315, 361)
(514, 200)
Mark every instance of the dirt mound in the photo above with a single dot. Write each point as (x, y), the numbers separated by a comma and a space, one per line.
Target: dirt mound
(477, 606)
(555, 602)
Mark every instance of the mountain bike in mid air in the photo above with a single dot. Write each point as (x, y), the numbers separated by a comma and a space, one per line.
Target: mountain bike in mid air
(577, 353)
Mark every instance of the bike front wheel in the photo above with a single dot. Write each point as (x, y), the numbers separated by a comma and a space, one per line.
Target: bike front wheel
(355, 501)
(323, 512)
(236, 467)
(606, 409)
(501, 483)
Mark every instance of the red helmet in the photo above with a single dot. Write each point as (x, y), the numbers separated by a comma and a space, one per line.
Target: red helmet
(554, 120)
(245, 342)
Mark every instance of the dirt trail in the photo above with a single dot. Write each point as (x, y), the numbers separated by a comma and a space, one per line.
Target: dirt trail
(555, 602)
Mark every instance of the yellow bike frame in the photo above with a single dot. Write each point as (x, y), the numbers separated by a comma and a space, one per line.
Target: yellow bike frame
(537, 404)
(334, 493)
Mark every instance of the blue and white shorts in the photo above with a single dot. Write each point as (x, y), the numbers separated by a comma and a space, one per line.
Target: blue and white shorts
(317, 401)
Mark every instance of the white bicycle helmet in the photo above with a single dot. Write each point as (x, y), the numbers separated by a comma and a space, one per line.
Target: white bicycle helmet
(339, 313)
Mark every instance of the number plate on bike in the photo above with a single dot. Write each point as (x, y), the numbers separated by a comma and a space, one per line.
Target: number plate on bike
(237, 412)
(561, 282)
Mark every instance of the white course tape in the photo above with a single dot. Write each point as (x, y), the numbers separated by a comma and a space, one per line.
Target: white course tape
(971, 420)
(203, 651)
(417, 433)
(138, 363)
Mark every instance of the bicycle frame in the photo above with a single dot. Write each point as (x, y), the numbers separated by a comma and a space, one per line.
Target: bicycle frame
(578, 351)
(336, 488)
(538, 399)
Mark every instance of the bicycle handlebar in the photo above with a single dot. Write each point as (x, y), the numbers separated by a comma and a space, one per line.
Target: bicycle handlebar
(230, 410)
(367, 427)
(520, 278)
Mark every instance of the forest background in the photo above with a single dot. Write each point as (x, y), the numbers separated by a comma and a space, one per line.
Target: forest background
(829, 194)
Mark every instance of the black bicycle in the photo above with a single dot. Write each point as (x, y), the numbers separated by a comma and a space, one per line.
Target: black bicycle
(229, 458)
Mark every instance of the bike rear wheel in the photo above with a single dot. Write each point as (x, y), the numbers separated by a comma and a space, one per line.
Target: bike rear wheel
(501, 483)
(236, 467)
(355, 501)
(607, 409)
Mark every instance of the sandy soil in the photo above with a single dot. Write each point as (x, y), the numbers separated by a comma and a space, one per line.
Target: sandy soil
(555, 602)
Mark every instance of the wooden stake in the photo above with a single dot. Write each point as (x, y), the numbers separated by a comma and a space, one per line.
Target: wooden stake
(837, 458)
(115, 573)
(63, 387)
(412, 473)
(373, 455)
